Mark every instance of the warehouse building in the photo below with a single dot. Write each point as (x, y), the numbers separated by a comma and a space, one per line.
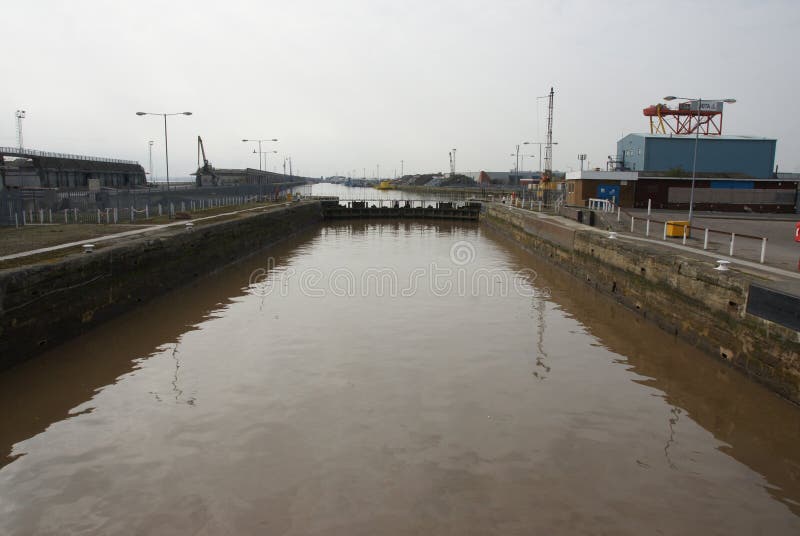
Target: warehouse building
(734, 173)
(29, 168)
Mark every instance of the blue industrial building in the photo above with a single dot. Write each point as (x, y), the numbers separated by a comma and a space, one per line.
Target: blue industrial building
(734, 156)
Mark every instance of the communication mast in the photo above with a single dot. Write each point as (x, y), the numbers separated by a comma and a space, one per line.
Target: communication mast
(581, 159)
(20, 116)
(548, 148)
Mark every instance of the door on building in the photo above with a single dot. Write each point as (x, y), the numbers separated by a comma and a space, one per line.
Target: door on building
(608, 191)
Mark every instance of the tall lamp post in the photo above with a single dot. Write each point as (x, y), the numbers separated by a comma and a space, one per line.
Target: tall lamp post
(259, 148)
(696, 143)
(166, 143)
(539, 143)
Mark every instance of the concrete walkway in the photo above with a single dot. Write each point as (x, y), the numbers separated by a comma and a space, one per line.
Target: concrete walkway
(735, 262)
(135, 232)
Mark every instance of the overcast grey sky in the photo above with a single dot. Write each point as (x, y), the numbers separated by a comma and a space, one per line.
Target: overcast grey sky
(350, 84)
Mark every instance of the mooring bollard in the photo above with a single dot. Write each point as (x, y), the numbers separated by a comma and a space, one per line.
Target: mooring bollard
(189, 227)
(612, 235)
(722, 265)
(733, 237)
(88, 248)
(763, 249)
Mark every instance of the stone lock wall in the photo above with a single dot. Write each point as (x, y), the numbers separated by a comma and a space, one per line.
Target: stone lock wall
(45, 304)
(681, 294)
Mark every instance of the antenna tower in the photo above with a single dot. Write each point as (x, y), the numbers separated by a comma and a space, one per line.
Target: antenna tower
(548, 148)
(20, 116)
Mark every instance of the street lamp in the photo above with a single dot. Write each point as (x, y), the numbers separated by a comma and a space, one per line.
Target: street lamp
(539, 143)
(696, 142)
(522, 161)
(166, 142)
(259, 149)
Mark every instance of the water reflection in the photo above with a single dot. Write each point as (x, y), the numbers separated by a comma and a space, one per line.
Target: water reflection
(426, 414)
(44, 390)
(754, 426)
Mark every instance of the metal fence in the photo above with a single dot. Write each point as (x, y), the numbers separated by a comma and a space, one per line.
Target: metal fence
(732, 244)
(48, 206)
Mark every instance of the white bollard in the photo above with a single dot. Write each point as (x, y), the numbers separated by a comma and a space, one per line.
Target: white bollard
(705, 239)
(649, 204)
(632, 220)
(733, 237)
(41, 215)
(147, 211)
(647, 228)
(107, 218)
(116, 215)
(722, 265)
(24, 218)
(619, 213)
(133, 217)
(685, 231)
(75, 213)
(665, 231)
(16, 220)
(763, 249)
(159, 209)
(66, 218)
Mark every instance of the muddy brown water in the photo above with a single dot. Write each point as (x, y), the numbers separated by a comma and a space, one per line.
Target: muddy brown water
(391, 378)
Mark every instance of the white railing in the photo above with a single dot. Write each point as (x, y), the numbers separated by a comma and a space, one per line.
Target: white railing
(603, 205)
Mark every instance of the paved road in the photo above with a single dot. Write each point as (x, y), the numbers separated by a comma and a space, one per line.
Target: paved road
(782, 251)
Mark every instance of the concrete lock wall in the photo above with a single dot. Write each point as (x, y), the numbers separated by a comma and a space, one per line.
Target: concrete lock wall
(682, 295)
(46, 304)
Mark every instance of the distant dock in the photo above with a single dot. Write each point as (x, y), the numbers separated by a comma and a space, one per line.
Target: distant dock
(333, 208)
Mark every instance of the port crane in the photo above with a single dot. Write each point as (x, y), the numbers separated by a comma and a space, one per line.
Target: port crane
(207, 168)
(686, 119)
